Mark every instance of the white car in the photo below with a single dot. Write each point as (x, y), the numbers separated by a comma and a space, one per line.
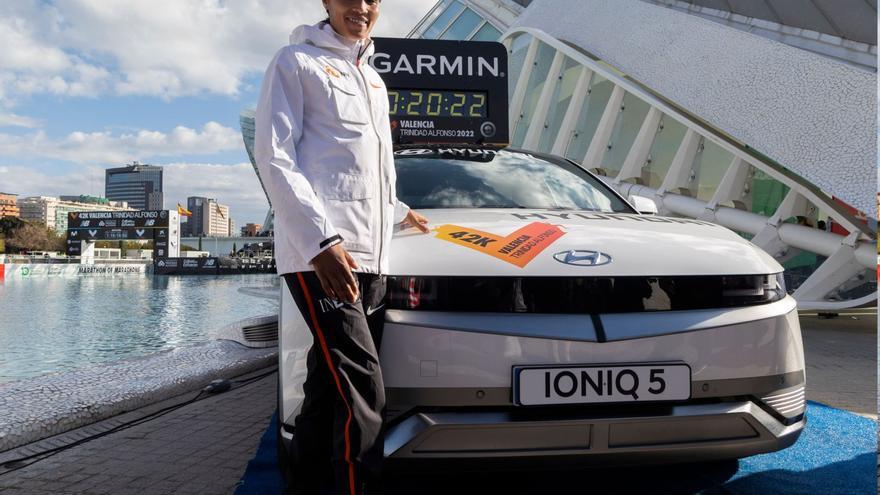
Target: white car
(545, 319)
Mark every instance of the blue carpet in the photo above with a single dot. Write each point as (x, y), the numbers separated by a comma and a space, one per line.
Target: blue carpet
(836, 454)
(262, 475)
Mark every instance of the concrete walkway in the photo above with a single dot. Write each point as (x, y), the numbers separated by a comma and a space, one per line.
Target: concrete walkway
(841, 356)
(203, 448)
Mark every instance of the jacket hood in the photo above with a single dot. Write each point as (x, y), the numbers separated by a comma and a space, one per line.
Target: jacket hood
(323, 36)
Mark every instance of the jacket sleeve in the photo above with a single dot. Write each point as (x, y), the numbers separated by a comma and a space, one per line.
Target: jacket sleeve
(400, 210)
(278, 129)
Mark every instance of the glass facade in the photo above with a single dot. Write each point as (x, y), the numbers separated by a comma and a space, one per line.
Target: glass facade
(463, 26)
(670, 134)
(710, 164)
(626, 127)
(487, 33)
(543, 60)
(446, 17)
(559, 102)
(246, 121)
(138, 185)
(764, 194)
(590, 113)
(451, 20)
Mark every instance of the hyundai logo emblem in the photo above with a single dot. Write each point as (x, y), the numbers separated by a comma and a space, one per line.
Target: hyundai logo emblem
(581, 257)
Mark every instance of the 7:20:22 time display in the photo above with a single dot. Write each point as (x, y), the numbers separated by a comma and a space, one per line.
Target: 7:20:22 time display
(422, 103)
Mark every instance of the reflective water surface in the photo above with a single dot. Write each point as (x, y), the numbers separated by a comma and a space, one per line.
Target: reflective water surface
(57, 324)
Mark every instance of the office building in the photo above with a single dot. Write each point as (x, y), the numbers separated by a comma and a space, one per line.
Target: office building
(137, 184)
(209, 218)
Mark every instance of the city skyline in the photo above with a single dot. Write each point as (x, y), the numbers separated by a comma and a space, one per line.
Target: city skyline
(78, 94)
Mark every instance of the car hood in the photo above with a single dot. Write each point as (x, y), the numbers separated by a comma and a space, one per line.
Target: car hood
(522, 242)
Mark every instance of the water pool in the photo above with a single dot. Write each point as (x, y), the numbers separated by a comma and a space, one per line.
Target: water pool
(56, 324)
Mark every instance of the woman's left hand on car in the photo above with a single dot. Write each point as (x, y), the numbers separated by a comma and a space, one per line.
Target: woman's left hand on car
(416, 220)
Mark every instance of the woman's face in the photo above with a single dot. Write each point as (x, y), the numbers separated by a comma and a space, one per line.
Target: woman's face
(353, 19)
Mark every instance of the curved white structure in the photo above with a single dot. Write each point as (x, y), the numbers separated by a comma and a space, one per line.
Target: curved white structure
(624, 145)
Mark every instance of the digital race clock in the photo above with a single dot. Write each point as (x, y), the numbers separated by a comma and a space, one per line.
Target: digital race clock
(417, 103)
(442, 91)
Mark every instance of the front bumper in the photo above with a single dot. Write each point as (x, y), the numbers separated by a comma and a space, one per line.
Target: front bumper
(681, 433)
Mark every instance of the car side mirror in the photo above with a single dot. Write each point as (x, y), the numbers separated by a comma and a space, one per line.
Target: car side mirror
(643, 205)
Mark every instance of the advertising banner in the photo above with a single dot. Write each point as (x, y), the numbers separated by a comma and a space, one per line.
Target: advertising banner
(23, 271)
(186, 266)
(160, 226)
(92, 219)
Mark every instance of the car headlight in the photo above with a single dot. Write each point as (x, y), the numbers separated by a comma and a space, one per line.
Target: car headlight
(582, 295)
(745, 290)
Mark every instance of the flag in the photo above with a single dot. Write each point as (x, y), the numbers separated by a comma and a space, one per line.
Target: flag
(183, 211)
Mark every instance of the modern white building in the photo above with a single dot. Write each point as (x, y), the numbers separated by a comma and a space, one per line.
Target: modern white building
(209, 218)
(759, 116)
(52, 212)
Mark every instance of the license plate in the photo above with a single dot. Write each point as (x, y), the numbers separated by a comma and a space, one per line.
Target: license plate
(537, 385)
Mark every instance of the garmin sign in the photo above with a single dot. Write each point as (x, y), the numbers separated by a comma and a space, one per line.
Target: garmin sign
(425, 64)
(442, 91)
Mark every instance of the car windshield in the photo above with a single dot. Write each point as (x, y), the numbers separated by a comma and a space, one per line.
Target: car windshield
(487, 178)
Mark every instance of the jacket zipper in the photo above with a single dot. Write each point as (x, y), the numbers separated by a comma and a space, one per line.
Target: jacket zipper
(382, 207)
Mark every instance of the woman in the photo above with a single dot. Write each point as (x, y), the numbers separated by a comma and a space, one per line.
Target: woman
(323, 148)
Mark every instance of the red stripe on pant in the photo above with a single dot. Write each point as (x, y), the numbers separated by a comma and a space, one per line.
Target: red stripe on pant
(326, 352)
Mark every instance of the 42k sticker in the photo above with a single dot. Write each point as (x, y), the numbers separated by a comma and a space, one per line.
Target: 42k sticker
(518, 248)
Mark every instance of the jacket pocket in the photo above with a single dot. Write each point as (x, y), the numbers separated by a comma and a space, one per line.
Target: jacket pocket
(345, 187)
(350, 106)
(347, 203)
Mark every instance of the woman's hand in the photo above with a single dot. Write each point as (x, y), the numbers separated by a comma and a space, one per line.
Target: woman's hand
(333, 267)
(417, 221)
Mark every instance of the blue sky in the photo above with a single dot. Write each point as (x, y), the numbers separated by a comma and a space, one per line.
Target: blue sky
(91, 84)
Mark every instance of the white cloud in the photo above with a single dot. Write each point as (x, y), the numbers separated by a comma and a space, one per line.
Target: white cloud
(233, 185)
(164, 48)
(13, 120)
(107, 148)
(236, 186)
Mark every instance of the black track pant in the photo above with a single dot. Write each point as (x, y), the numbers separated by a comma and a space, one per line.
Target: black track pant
(340, 423)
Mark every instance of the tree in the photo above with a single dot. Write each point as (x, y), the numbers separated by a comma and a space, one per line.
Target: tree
(33, 237)
(234, 249)
(8, 224)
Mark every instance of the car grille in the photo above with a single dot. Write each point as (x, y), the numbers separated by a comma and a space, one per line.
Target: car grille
(582, 294)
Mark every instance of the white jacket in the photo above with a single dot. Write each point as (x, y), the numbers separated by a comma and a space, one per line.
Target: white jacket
(323, 149)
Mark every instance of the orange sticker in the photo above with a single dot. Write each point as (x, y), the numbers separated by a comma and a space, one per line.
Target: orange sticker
(518, 248)
(331, 71)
